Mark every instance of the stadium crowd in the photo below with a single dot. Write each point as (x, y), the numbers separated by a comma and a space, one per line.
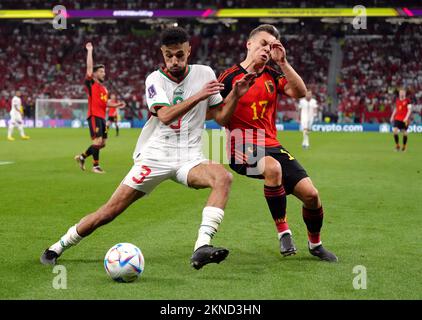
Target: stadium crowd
(374, 69)
(44, 62)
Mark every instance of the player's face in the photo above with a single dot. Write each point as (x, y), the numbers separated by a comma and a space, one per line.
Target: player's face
(113, 97)
(100, 74)
(402, 94)
(18, 93)
(176, 58)
(308, 95)
(259, 47)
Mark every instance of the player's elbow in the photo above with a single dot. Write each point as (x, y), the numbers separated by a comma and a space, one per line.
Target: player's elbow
(221, 121)
(300, 92)
(164, 115)
(165, 119)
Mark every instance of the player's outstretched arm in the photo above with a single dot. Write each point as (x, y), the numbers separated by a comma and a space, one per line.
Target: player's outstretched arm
(89, 60)
(116, 104)
(169, 114)
(295, 86)
(223, 113)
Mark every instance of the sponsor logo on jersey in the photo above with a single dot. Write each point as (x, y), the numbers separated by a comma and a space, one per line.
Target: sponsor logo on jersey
(178, 92)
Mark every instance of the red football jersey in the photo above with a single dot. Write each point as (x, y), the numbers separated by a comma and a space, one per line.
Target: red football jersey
(401, 109)
(97, 98)
(255, 115)
(112, 112)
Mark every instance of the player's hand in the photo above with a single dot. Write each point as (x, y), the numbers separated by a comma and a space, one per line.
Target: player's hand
(89, 46)
(278, 52)
(211, 88)
(242, 86)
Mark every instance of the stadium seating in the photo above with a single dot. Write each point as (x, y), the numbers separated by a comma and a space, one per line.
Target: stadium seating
(44, 62)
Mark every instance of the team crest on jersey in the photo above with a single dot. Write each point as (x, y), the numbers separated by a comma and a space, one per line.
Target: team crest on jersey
(151, 91)
(103, 97)
(270, 86)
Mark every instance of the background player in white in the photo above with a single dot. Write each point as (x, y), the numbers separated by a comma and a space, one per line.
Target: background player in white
(169, 147)
(16, 117)
(307, 111)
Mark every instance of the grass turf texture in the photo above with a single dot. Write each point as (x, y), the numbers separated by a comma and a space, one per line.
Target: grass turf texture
(372, 218)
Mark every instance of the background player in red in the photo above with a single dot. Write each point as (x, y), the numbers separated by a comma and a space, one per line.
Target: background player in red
(113, 115)
(97, 105)
(256, 111)
(400, 119)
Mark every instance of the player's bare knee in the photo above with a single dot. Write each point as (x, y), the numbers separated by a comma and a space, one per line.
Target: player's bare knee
(272, 171)
(222, 180)
(312, 198)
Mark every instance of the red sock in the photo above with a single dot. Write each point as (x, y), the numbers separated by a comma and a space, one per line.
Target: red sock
(313, 219)
(277, 202)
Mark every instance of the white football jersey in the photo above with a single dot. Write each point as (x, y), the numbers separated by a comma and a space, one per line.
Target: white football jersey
(182, 137)
(16, 105)
(307, 108)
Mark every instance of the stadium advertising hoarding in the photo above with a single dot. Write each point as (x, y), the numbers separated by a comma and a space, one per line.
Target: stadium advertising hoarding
(221, 13)
(82, 14)
(346, 127)
(288, 126)
(304, 12)
(60, 123)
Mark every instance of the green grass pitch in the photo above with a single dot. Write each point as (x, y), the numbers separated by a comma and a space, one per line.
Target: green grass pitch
(370, 193)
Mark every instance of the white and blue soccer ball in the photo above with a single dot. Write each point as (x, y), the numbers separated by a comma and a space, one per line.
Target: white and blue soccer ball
(124, 262)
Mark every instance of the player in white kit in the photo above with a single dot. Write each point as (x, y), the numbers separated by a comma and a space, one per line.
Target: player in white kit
(16, 118)
(307, 110)
(169, 147)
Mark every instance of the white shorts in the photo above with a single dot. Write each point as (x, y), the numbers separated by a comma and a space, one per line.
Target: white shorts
(146, 174)
(306, 123)
(16, 118)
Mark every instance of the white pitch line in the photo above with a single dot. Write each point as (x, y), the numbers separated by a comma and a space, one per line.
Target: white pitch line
(5, 162)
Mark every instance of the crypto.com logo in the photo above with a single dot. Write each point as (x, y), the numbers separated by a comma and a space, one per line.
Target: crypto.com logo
(60, 18)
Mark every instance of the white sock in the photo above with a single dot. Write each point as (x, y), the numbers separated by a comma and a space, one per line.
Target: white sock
(20, 127)
(280, 234)
(211, 219)
(10, 131)
(314, 245)
(306, 139)
(71, 238)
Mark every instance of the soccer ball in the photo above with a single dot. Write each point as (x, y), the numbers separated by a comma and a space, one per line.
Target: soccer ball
(124, 262)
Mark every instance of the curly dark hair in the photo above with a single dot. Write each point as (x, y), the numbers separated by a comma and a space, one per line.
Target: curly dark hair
(175, 35)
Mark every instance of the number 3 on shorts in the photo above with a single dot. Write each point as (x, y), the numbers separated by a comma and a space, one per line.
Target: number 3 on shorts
(144, 173)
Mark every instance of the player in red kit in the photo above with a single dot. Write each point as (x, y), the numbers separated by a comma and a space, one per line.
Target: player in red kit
(400, 119)
(97, 105)
(252, 138)
(113, 115)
